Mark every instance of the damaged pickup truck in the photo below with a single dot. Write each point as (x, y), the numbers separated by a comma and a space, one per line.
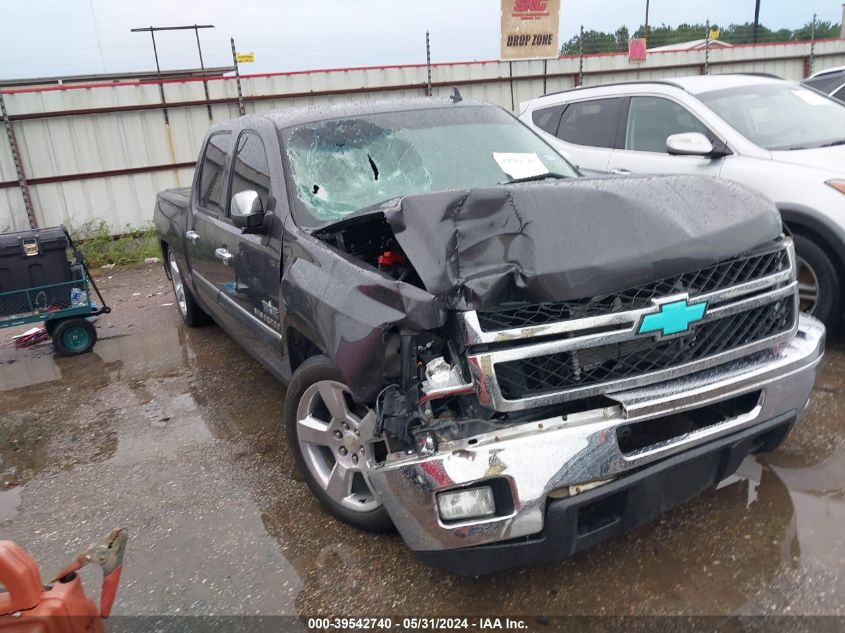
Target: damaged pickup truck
(507, 362)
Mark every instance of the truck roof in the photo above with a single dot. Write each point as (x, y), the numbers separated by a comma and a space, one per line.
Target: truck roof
(288, 117)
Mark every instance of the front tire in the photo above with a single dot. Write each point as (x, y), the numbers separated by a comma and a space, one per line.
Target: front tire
(818, 282)
(325, 432)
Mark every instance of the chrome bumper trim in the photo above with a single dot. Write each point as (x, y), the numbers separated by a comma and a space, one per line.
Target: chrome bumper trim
(543, 455)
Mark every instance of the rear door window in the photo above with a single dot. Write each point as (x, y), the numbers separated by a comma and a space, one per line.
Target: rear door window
(652, 119)
(592, 123)
(211, 184)
(547, 119)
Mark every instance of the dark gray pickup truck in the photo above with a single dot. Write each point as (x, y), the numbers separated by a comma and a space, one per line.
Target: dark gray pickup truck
(505, 361)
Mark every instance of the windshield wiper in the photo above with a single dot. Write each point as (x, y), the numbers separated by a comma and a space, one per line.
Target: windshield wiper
(536, 177)
(814, 146)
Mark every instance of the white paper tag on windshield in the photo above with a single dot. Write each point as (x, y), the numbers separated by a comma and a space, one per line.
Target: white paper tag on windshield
(811, 97)
(520, 165)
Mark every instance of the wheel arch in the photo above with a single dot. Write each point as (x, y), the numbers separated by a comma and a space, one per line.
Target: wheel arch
(300, 348)
(819, 231)
(165, 248)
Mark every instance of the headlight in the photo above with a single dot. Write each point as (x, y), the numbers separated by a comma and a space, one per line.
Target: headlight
(839, 185)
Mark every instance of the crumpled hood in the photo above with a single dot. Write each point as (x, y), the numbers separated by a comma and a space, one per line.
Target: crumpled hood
(554, 241)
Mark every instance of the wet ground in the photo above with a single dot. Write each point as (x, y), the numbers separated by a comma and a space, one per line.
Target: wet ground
(175, 434)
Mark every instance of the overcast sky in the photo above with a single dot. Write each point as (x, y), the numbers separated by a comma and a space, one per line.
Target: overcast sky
(60, 37)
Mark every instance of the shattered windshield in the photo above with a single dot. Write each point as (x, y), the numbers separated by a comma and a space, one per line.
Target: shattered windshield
(341, 166)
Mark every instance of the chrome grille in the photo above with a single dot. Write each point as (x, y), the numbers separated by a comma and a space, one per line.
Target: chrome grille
(717, 277)
(593, 365)
(553, 353)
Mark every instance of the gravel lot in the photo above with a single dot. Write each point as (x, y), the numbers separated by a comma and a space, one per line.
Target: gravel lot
(175, 434)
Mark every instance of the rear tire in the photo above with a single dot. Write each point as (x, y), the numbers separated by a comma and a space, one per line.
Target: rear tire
(190, 311)
(818, 282)
(74, 336)
(323, 436)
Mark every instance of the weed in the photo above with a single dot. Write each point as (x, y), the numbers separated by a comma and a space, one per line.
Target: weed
(99, 246)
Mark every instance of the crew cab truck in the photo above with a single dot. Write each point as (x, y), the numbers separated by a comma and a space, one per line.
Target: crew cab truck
(505, 361)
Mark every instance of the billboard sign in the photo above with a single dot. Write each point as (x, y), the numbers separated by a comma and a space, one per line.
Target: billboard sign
(530, 29)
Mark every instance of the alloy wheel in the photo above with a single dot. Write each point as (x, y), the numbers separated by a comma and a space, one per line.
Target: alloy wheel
(808, 286)
(329, 432)
(178, 284)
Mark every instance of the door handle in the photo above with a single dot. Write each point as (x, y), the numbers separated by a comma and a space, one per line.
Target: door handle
(223, 255)
(192, 235)
(621, 172)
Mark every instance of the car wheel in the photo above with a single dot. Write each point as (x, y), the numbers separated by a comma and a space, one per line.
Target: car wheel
(328, 434)
(818, 282)
(189, 310)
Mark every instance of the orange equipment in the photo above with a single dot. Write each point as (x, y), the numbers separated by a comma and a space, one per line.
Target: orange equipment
(27, 607)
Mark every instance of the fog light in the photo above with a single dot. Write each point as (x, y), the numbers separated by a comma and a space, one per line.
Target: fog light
(470, 503)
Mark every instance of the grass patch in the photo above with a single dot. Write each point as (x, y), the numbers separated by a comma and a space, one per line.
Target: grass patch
(100, 247)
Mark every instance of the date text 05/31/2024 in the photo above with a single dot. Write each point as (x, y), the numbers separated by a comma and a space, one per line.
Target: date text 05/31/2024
(538, 39)
(410, 623)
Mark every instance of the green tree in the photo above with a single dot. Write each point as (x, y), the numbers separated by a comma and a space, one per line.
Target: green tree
(824, 30)
(663, 35)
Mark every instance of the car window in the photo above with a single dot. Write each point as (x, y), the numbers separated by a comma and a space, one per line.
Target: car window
(780, 115)
(211, 186)
(840, 94)
(652, 119)
(591, 123)
(547, 119)
(825, 83)
(250, 170)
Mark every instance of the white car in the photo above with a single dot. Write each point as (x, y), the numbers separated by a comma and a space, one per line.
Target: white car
(775, 136)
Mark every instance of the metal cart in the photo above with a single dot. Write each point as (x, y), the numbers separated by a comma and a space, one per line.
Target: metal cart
(65, 308)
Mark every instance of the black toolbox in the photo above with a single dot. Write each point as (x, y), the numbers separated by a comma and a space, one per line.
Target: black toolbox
(29, 259)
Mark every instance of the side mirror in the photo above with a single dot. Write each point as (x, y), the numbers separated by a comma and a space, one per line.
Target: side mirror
(689, 144)
(246, 210)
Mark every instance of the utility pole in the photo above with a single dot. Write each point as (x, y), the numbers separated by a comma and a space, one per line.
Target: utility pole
(756, 20)
(645, 28)
(428, 64)
(581, 57)
(813, 45)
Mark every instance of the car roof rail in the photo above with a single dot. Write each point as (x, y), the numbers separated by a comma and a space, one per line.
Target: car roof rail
(758, 74)
(614, 83)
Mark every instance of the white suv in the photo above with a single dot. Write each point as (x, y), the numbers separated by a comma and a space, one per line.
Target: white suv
(775, 136)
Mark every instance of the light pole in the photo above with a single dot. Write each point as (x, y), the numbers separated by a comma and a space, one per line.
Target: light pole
(756, 19)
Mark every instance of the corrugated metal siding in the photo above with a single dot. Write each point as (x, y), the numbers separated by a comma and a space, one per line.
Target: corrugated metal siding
(89, 143)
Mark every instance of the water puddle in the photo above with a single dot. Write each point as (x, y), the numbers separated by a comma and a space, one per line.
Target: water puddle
(175, 435)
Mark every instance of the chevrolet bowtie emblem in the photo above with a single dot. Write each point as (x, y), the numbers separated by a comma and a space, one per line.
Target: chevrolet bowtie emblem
(672, 317)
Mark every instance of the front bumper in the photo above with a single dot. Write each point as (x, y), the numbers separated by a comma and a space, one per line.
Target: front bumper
(546, 456)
